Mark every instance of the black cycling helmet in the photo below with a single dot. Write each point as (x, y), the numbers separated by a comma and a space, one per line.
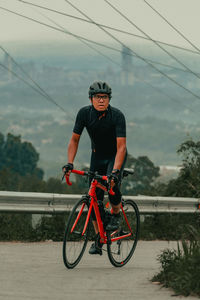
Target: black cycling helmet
(99, 87)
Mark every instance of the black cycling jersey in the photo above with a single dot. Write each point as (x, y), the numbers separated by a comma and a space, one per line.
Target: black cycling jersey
(102, 127)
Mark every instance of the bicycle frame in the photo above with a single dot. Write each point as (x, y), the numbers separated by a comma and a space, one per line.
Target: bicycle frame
(94, 205)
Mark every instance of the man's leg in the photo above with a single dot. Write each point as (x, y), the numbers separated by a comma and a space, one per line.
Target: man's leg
(116, 208)
(115, 200)
(99, 166)
(95, 225)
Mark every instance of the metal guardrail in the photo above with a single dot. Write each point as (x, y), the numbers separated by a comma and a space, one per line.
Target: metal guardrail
(47, 203)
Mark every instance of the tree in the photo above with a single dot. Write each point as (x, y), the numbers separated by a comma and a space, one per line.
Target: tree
(19, 157)
(144, 174)
(187, 184)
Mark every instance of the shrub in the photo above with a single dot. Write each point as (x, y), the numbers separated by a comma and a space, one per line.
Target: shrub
(180, 269)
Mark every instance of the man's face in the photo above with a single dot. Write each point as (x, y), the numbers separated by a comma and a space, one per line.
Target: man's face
(100, 101)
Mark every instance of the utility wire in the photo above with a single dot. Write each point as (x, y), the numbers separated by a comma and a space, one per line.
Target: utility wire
(161, 47)
(94, 23)
(139, 56)
(84, 42)
(78, 38)
(42, 91)
(57, 29)
(172, 26)
(168, 97)
(38, 90)
(105, 26)
(81, 38)
(161, 92)
(118, 64)
(27, 83)
(91, 41)
(99, 52)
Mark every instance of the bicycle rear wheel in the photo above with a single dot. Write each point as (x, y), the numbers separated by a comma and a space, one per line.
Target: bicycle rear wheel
(75, 242)
(121, 249)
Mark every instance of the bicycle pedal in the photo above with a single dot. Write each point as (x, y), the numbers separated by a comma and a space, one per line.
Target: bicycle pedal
(76, 232)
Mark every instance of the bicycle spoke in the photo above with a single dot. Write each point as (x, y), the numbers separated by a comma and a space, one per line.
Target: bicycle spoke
(124, 240)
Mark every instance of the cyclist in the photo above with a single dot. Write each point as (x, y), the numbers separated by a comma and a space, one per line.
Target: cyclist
(106, 127)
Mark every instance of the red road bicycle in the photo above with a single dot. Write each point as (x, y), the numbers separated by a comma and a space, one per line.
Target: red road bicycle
(121, 243)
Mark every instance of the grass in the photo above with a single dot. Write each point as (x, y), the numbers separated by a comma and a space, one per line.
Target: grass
(180, 269)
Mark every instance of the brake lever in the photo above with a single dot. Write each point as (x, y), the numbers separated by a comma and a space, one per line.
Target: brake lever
(63, 176)
(66, 177)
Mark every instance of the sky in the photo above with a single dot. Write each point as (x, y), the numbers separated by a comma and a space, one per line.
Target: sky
(183, 14)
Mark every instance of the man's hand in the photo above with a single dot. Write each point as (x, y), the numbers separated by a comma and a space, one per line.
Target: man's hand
(67, 169)
(114, 178)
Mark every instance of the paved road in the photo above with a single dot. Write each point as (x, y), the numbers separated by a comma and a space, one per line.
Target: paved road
(36, 271)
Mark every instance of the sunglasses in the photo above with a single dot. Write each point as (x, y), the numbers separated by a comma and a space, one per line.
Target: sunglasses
(98, 97)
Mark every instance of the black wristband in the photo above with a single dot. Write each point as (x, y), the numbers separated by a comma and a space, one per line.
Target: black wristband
(115, 171)
(68, 167)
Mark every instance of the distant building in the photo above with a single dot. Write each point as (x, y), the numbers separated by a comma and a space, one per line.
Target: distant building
(127, 77)
(168, 172)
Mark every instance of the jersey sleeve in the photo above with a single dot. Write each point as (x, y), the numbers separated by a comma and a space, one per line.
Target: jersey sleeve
(120, 126)
(79, 123)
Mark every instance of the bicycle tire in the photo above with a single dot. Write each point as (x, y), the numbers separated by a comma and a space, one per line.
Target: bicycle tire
(74, 243)
(121, 251)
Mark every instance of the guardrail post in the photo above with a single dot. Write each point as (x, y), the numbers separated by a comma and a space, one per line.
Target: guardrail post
(36, 219)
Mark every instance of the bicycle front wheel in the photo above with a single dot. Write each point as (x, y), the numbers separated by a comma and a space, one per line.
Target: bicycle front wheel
(75, 241)
(122, 242)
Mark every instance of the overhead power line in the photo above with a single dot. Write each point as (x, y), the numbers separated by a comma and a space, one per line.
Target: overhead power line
(78, 38)
(22, 79)
(91, 41)
(153, 87)
(37, 89)
(142, 31)
(108, 27)
(96, 50)
(147, 83)
(99, 44)
(139, 56)
(105, 26)
(172, 26)
(118, 64)
(58, 29)
(42, 91)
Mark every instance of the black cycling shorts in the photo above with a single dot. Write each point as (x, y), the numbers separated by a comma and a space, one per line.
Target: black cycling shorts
(105, 167)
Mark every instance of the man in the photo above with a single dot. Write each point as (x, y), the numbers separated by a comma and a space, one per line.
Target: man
(106, 127)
